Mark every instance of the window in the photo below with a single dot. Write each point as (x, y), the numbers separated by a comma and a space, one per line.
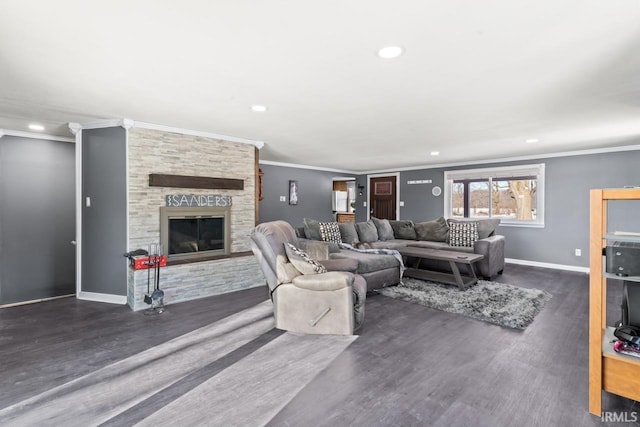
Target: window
(514, 193)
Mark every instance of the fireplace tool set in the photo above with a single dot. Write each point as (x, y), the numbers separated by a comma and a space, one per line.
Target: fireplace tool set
(151, 259)
(156, 298)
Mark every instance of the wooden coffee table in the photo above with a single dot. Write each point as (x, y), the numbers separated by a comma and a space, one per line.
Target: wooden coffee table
(454, 258)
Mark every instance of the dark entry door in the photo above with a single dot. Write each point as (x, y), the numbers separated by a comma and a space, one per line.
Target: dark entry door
(383, 197)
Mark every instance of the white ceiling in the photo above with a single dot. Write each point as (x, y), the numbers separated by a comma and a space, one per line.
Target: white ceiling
(477, 79)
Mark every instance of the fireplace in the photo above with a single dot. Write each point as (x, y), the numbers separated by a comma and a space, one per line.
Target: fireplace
(194, 232)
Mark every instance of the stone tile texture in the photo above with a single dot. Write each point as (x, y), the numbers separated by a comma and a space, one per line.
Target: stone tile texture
(154, 151)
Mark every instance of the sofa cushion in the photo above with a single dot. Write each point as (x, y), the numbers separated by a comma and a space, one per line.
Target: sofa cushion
(385, 232)
(367, 231)
(463, 233)
(312, 229)
(330, 232)
(368, 263)
(435, 231)
(486, 227)
(302, 262)
(348, 232)
(403, 230)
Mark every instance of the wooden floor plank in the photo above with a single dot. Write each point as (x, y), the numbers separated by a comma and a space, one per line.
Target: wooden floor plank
(411, 365)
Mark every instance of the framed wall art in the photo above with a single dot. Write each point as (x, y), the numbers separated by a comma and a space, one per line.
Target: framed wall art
(293, 192)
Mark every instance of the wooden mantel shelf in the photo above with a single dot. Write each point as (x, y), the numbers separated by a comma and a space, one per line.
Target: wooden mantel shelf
(202, 182)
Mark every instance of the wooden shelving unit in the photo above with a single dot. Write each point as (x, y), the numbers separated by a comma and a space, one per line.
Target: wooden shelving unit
(609, 371)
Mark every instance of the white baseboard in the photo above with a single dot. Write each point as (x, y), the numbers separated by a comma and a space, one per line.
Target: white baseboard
(547, 265)
(111, 299)
(16, 304)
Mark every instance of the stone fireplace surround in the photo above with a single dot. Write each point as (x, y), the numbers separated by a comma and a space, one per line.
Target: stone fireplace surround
(153, 151)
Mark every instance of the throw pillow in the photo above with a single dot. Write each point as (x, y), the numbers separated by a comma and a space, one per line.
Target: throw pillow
(463, 233)
(367, 231)
(330, 232)
(403, 230)
(312, 229)
(302, 262)
(285, 270)
(433, 231)
(385, 232)
(348, 232)
(486, 227)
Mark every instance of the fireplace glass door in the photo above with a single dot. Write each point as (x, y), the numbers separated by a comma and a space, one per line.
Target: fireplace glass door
(195, 235)
(194, 232)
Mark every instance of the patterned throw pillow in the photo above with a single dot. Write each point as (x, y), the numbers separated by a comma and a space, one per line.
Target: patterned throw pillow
(463, 233)
(302, 262)
(330, 232)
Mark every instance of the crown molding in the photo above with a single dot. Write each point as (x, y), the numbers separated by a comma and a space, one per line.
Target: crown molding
(75, 127)
(34, 135)
(513, 159)
(469, 163)
(297, 166)
(129, 123)
(257, 144)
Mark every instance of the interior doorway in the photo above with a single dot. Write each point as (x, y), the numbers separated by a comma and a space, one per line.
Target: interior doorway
(383, 196)
(343, 200)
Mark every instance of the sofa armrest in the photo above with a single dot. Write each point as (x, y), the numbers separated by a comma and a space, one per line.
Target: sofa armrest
(316, 249)
(330, 281)
(488, 245)
(493, 250)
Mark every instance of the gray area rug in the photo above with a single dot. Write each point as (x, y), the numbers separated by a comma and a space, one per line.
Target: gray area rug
(248, 392)
(493, 302)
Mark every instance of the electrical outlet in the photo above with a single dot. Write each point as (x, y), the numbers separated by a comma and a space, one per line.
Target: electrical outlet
(283, 198)
(578, 252)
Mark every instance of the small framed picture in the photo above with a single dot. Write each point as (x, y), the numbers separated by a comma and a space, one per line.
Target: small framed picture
(293, 192)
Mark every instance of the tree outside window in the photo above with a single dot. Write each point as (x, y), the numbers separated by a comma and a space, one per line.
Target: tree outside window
(491, 193)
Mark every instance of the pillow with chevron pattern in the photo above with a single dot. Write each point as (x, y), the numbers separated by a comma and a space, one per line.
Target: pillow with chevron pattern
(303, 262)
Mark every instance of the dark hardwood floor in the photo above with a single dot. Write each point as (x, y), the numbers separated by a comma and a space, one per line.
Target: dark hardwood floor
(410, 366)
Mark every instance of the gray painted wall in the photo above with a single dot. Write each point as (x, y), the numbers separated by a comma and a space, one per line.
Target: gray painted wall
(568, 181)
(314, 194)
(37, 219)
(567, 184)
(104, 223)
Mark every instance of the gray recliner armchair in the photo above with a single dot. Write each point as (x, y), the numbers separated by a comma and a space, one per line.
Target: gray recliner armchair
(324, 303)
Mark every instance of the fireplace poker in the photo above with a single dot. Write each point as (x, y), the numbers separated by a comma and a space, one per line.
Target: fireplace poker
(147, 297)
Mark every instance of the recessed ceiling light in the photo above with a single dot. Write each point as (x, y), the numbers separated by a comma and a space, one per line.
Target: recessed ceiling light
(35, 126)
(435, 153)
(258, 108)
(532, 140)
(390, 52)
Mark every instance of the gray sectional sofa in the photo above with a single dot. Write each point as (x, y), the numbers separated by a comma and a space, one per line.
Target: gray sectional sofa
(384, 270)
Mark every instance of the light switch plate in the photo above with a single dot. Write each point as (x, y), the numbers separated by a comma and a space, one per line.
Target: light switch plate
(283, 198)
